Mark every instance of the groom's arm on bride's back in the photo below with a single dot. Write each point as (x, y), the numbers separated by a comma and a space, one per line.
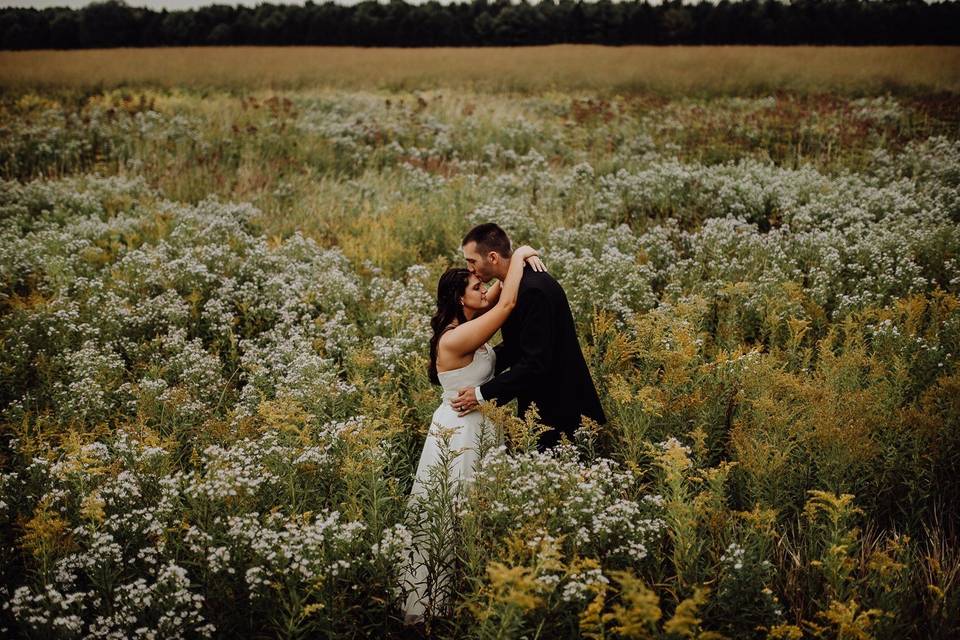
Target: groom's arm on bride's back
(531, 351)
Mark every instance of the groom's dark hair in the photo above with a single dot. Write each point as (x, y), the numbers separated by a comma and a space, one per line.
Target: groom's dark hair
(489, 237)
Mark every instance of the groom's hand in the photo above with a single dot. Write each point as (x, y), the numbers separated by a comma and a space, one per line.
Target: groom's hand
(465, 402)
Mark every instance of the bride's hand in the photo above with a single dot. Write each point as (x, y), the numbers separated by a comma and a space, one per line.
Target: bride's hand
(536, 263)
(531, 256)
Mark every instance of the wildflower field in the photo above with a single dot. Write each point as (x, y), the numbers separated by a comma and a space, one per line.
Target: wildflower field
(213, 333)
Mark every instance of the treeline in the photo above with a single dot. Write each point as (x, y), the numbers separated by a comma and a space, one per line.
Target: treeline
(482, 23)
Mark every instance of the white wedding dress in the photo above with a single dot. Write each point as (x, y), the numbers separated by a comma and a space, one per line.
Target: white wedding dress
(467, 430)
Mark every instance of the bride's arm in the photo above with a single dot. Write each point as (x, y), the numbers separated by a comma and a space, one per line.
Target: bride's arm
(493, 293)
(469, 336)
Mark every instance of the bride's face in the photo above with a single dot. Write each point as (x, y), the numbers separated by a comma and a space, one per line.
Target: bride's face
(475, 296)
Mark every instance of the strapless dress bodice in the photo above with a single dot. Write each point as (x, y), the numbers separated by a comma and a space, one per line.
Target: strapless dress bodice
(477, 372)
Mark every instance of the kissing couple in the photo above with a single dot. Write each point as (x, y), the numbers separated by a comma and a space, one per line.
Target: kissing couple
(538, 362)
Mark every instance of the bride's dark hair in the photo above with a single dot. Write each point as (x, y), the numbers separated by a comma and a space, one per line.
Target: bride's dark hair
(452, 285)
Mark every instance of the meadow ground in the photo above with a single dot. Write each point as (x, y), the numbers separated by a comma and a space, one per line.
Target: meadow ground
(214, 306)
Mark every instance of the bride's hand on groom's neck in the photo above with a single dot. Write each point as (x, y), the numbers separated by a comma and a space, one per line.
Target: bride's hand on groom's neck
(536, 263)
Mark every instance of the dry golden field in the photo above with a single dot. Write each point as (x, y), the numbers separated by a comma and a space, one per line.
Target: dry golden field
(710, 69)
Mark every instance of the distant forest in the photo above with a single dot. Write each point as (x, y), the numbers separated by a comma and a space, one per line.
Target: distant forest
(485, 23)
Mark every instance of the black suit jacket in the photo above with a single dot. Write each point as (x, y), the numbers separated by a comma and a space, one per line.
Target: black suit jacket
(540, 359)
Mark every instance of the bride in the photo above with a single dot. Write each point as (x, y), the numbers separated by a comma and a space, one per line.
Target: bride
(467, 316)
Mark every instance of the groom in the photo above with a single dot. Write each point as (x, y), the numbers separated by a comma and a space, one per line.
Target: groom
(539, 360)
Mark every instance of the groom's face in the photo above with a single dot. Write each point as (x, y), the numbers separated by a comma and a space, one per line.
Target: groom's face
(479, 264)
